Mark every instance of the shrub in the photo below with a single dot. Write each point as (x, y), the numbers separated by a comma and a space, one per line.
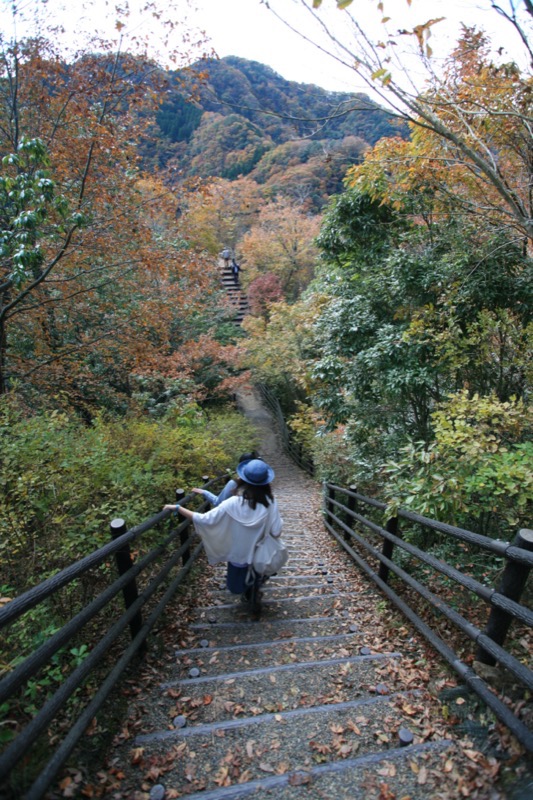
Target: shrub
(478, 472)
(61, 483)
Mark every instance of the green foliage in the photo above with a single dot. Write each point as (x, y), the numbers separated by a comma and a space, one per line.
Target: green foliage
(178, 119)
(61, 484)
(27, 199)
(478, 471)
(414, 314)
(225, 146)
(356, 227)
(263, 110)
(23, 638)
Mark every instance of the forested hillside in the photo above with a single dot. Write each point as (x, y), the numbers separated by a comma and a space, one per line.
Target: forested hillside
(232, 117)
(387, 262)
(387, 267)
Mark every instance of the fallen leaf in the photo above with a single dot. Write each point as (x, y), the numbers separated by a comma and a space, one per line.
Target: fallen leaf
(320, 748)
(299, 779)
(222, 777)
(422, 776)
(336, 729)
(473, 755)
(137, 754)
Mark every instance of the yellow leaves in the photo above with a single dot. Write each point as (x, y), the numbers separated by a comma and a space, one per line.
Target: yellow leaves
(353, 727)
(382, 75)
(409, 709)
(221, 777)
(137, 755)
(420, 771)
(423, 31)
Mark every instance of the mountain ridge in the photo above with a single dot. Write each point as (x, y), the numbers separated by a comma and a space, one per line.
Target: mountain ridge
(228, 118)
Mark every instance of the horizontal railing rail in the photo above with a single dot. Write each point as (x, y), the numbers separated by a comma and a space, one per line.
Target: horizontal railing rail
(163, 569)
(372, 545)
(294, 449)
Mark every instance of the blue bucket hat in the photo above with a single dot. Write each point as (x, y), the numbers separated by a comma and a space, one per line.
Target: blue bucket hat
(256, 472)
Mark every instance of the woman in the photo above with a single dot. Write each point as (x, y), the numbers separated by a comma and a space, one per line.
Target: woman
(230, 487)
(231, 530)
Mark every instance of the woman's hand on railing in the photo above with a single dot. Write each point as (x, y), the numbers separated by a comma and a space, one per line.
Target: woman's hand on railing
(186, 512)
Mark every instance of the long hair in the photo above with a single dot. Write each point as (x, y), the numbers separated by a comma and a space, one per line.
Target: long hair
(254, 494)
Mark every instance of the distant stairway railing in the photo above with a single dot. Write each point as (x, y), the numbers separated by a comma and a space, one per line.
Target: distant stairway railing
(236, 295)
(293, 448)
(162, 570)
(357, 523)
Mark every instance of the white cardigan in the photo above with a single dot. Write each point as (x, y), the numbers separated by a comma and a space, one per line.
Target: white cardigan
(231, 530)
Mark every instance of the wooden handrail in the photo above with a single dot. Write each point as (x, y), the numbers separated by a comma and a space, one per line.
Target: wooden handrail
(503, 602)
(155, 568)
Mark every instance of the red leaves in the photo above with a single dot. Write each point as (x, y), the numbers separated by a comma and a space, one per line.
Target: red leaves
(323, 749)
(299, 779)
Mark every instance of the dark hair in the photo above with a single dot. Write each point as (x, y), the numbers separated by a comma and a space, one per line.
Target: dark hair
(254, 494)
(248, 456)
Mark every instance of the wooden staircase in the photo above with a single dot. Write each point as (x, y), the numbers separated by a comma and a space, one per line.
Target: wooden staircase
(325, 697)
(234, 290)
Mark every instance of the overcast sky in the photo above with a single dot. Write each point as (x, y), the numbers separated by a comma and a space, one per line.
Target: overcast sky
(248, 29)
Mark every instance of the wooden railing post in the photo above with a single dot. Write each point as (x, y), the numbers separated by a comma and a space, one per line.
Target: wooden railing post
(184, 533)
(124, 562)
(329, 496)
(512, 585)
(388, 547)
(352, 506)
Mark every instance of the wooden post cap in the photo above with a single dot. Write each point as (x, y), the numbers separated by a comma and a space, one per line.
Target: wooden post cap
(405, 736)
(525, 538)
(118, 527)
